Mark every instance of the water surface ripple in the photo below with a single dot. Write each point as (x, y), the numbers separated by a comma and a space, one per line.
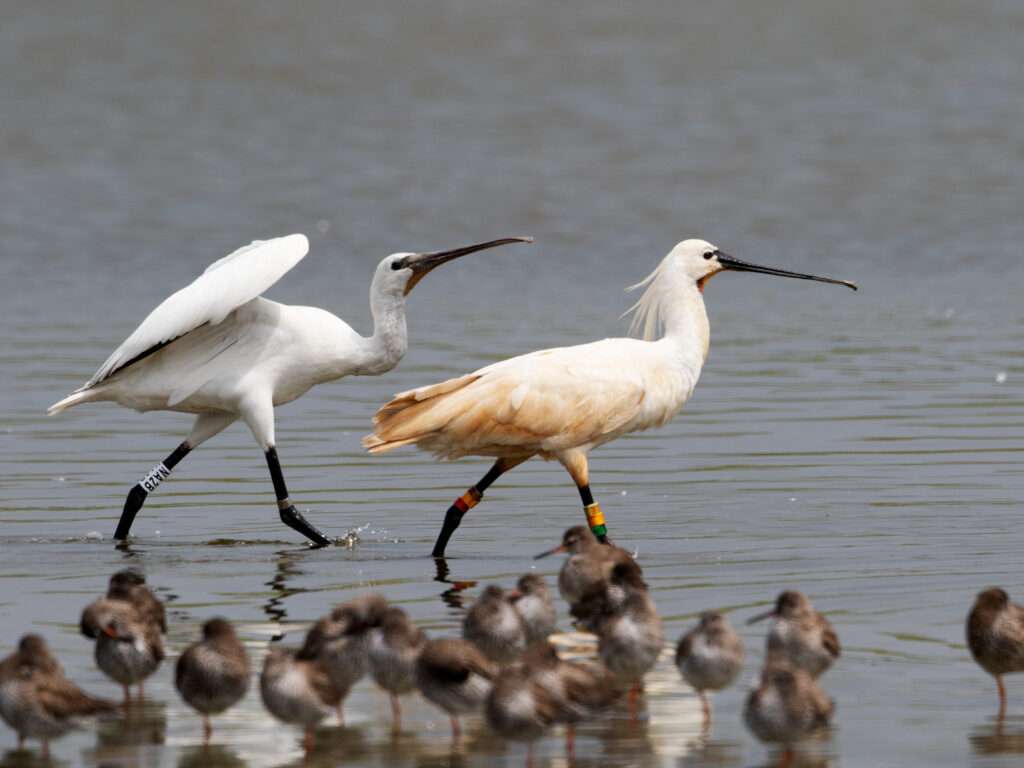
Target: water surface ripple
(864, 448)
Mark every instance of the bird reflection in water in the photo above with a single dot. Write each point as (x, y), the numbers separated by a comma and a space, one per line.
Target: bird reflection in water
(285, 568)
(453, 596)
(1006, 738)
(210, 756)
(120, 740)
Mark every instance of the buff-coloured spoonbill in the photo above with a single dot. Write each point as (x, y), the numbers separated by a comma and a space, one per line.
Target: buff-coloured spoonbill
(560, 403)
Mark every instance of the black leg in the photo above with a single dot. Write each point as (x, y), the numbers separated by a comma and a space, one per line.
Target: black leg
(464, 503)
(137, 495)
(594, 517)
(290, 516)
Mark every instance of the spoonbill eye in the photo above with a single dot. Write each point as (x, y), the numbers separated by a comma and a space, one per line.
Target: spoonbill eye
(396, 264)
(708, 255)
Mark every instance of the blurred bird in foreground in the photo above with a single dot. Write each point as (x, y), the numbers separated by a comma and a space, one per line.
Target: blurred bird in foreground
(213, 674)
(709, 657)
(518, 708)
(802, 633)
(630, 635)
(37, 701)
(579, 692)
(532, 601)
(126, 624)
(454, 675)
(494, 626)
(995, 636)
(342, 640)
(394, 647)
(785, 704)
(298, 691)
(589, 562)
(128, 650)
(126, 587)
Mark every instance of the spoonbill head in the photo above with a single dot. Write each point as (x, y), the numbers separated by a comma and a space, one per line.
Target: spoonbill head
(691, 264)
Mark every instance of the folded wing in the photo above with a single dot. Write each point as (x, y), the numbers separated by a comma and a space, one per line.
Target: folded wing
(537, 403)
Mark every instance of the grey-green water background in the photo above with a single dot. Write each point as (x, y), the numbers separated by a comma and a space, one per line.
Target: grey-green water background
(865, 448)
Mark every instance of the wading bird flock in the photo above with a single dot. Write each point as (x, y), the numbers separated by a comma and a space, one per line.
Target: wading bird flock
(505, 664)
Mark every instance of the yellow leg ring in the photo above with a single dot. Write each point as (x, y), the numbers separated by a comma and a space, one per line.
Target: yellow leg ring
(469, 499)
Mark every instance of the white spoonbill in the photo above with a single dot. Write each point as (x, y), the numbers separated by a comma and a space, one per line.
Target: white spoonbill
(219, 350)
(561, 403)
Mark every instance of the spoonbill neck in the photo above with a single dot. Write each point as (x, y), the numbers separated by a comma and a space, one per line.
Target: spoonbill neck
(382, 351)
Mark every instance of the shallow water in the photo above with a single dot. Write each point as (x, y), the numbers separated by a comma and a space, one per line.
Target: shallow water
(864, 448)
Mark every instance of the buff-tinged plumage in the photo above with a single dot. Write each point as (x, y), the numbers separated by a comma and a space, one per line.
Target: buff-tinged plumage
(560, 403)
(549, 403)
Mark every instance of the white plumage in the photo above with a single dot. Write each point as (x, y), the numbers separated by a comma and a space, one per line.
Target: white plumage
(218, 350)
(224, 285)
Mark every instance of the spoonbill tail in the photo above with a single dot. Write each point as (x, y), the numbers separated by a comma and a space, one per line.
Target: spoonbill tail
(560, 403)
(219, 350)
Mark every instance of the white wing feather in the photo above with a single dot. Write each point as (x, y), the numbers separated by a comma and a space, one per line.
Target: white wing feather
(226, 284)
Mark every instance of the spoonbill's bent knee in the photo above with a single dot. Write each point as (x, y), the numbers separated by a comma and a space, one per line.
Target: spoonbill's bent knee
(218, 350)
(561, 403)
